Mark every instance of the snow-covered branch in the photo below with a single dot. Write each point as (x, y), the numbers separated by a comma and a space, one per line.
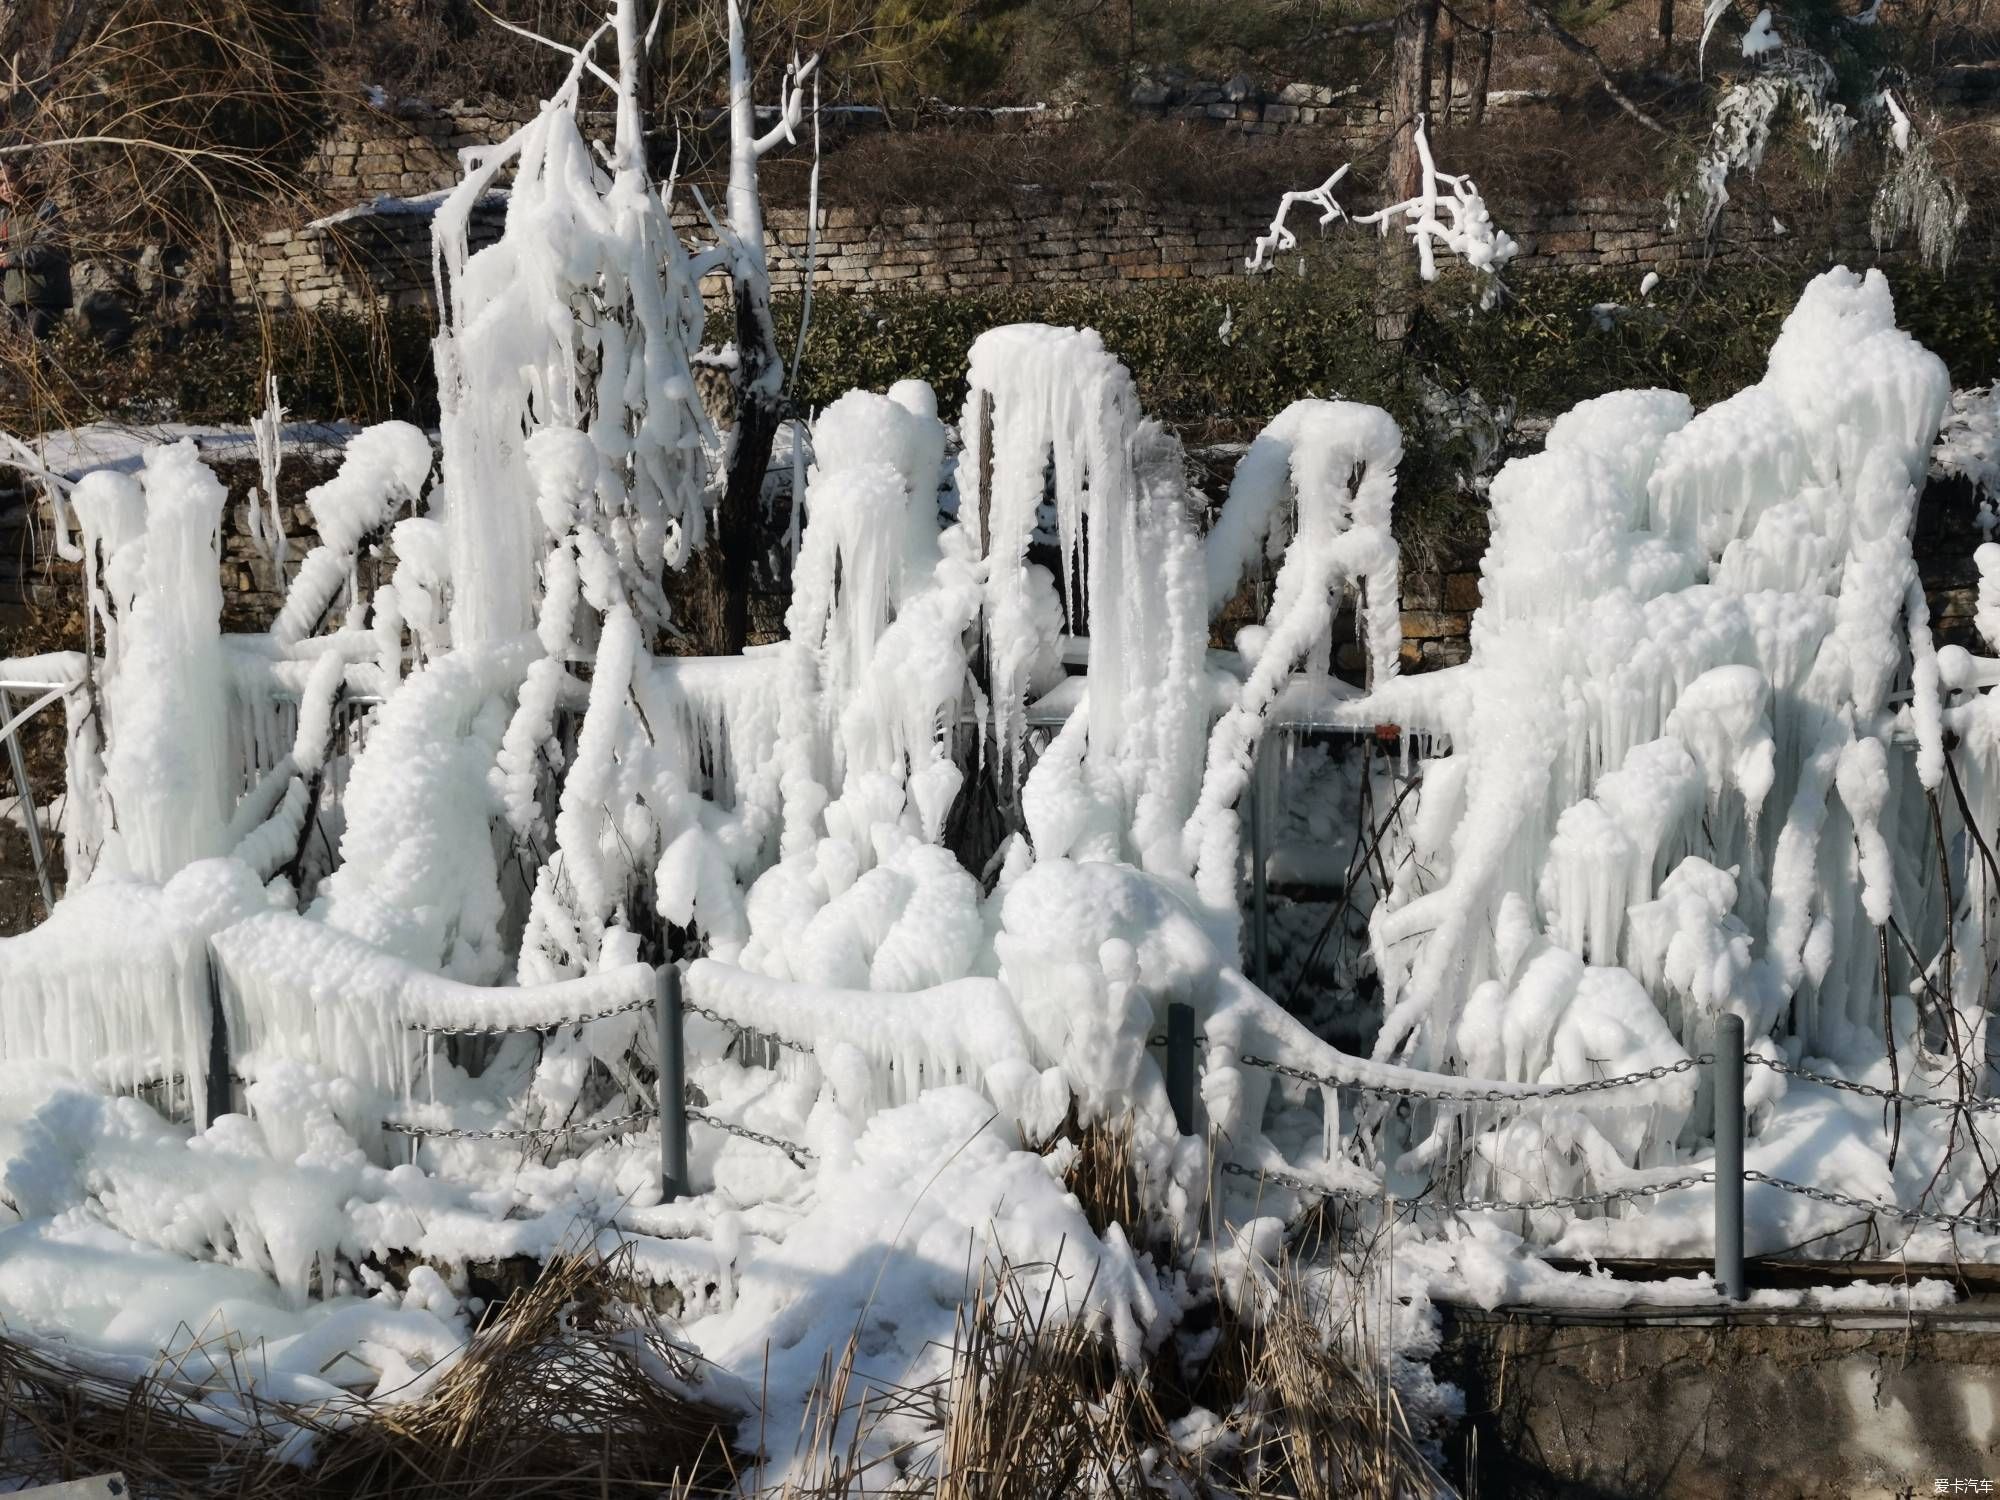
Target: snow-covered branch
(1467, 230)
(1278, 238)
(1899, 122)
(791, 104)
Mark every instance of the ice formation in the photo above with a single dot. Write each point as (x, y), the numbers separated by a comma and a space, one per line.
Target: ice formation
(424, 845)
(1466, 229)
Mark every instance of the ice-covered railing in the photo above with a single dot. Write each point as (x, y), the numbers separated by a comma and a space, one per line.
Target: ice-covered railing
(42, 681)
(300, 990)
(967, 1031)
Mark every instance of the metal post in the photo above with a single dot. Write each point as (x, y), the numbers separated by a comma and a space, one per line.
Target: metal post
(1180, 1065)
(1727, 1078)
(30, 819)
(219, 1101)
(673, 1087)
(1259, 891)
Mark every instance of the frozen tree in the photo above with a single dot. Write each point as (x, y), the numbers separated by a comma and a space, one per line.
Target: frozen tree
(760, 369)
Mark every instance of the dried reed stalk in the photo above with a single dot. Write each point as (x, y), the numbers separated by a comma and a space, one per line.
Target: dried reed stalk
(566, 1391)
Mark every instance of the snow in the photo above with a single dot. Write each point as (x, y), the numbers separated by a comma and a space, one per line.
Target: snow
(73, 452)
(934, 896)
(1968, 445)
(391, 206)
(929, 1194)
(165, 770)
(1762, 37)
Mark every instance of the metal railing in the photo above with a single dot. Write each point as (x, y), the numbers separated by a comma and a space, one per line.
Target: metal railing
(1727, 1174)
(675, 1110)
(11, 725)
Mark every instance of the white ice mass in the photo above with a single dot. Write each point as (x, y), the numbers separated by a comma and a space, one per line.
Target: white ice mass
(932, 893)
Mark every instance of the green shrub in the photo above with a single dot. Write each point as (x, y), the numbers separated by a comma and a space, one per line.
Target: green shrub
(1546, 345)
(1558, 338)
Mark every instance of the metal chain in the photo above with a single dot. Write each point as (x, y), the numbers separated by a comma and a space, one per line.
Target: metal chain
(1929, 1101)
(1473, 1205)
(1576, 1200)
(599, 1015)
(799, 1155)
(1985, 1223)
(525, 1133)
(1481, 1096)
(1298, 1184)
(734, 1025)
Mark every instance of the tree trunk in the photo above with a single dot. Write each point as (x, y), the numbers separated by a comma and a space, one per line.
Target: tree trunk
(1409, 94)
(1409, 89)
(1482, 67)
(1665, 27)
(760, 372)
(759, 410)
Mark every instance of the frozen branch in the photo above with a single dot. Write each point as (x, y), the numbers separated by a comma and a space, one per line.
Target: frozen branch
(791, 106)
(1278, 238)
(1899, 128)
(579, 55)
(1468, 231)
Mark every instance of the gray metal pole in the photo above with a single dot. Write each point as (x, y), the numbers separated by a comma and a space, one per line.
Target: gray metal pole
(218, 1101)
(1259, 890)
(1180, 1065)
(30, 819)
(673, 1087)
(1728, 1083)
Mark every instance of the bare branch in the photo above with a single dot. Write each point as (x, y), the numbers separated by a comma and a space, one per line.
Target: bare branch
(1575, 44)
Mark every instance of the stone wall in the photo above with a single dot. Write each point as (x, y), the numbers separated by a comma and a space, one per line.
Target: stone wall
(376, 250)
(381, 254)
(407, 148)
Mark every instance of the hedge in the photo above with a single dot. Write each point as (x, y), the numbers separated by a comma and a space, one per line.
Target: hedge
(1557, 338)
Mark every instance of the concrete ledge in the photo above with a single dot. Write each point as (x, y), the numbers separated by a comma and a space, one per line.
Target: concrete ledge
(1712, 1401)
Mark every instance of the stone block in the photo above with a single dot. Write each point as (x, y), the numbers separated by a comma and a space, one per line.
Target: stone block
(1461, 592)
(1427, 625)
(1423, 591)
(1305, 93)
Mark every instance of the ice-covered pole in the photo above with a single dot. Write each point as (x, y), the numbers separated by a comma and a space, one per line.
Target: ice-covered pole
(1728, 1076)
(168, 703)
(30, 819)
(673, 1087)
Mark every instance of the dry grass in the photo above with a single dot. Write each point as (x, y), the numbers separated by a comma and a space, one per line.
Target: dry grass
(1103, 1175)
(1099, 155)
(565, 1391)
(1036, 1405)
